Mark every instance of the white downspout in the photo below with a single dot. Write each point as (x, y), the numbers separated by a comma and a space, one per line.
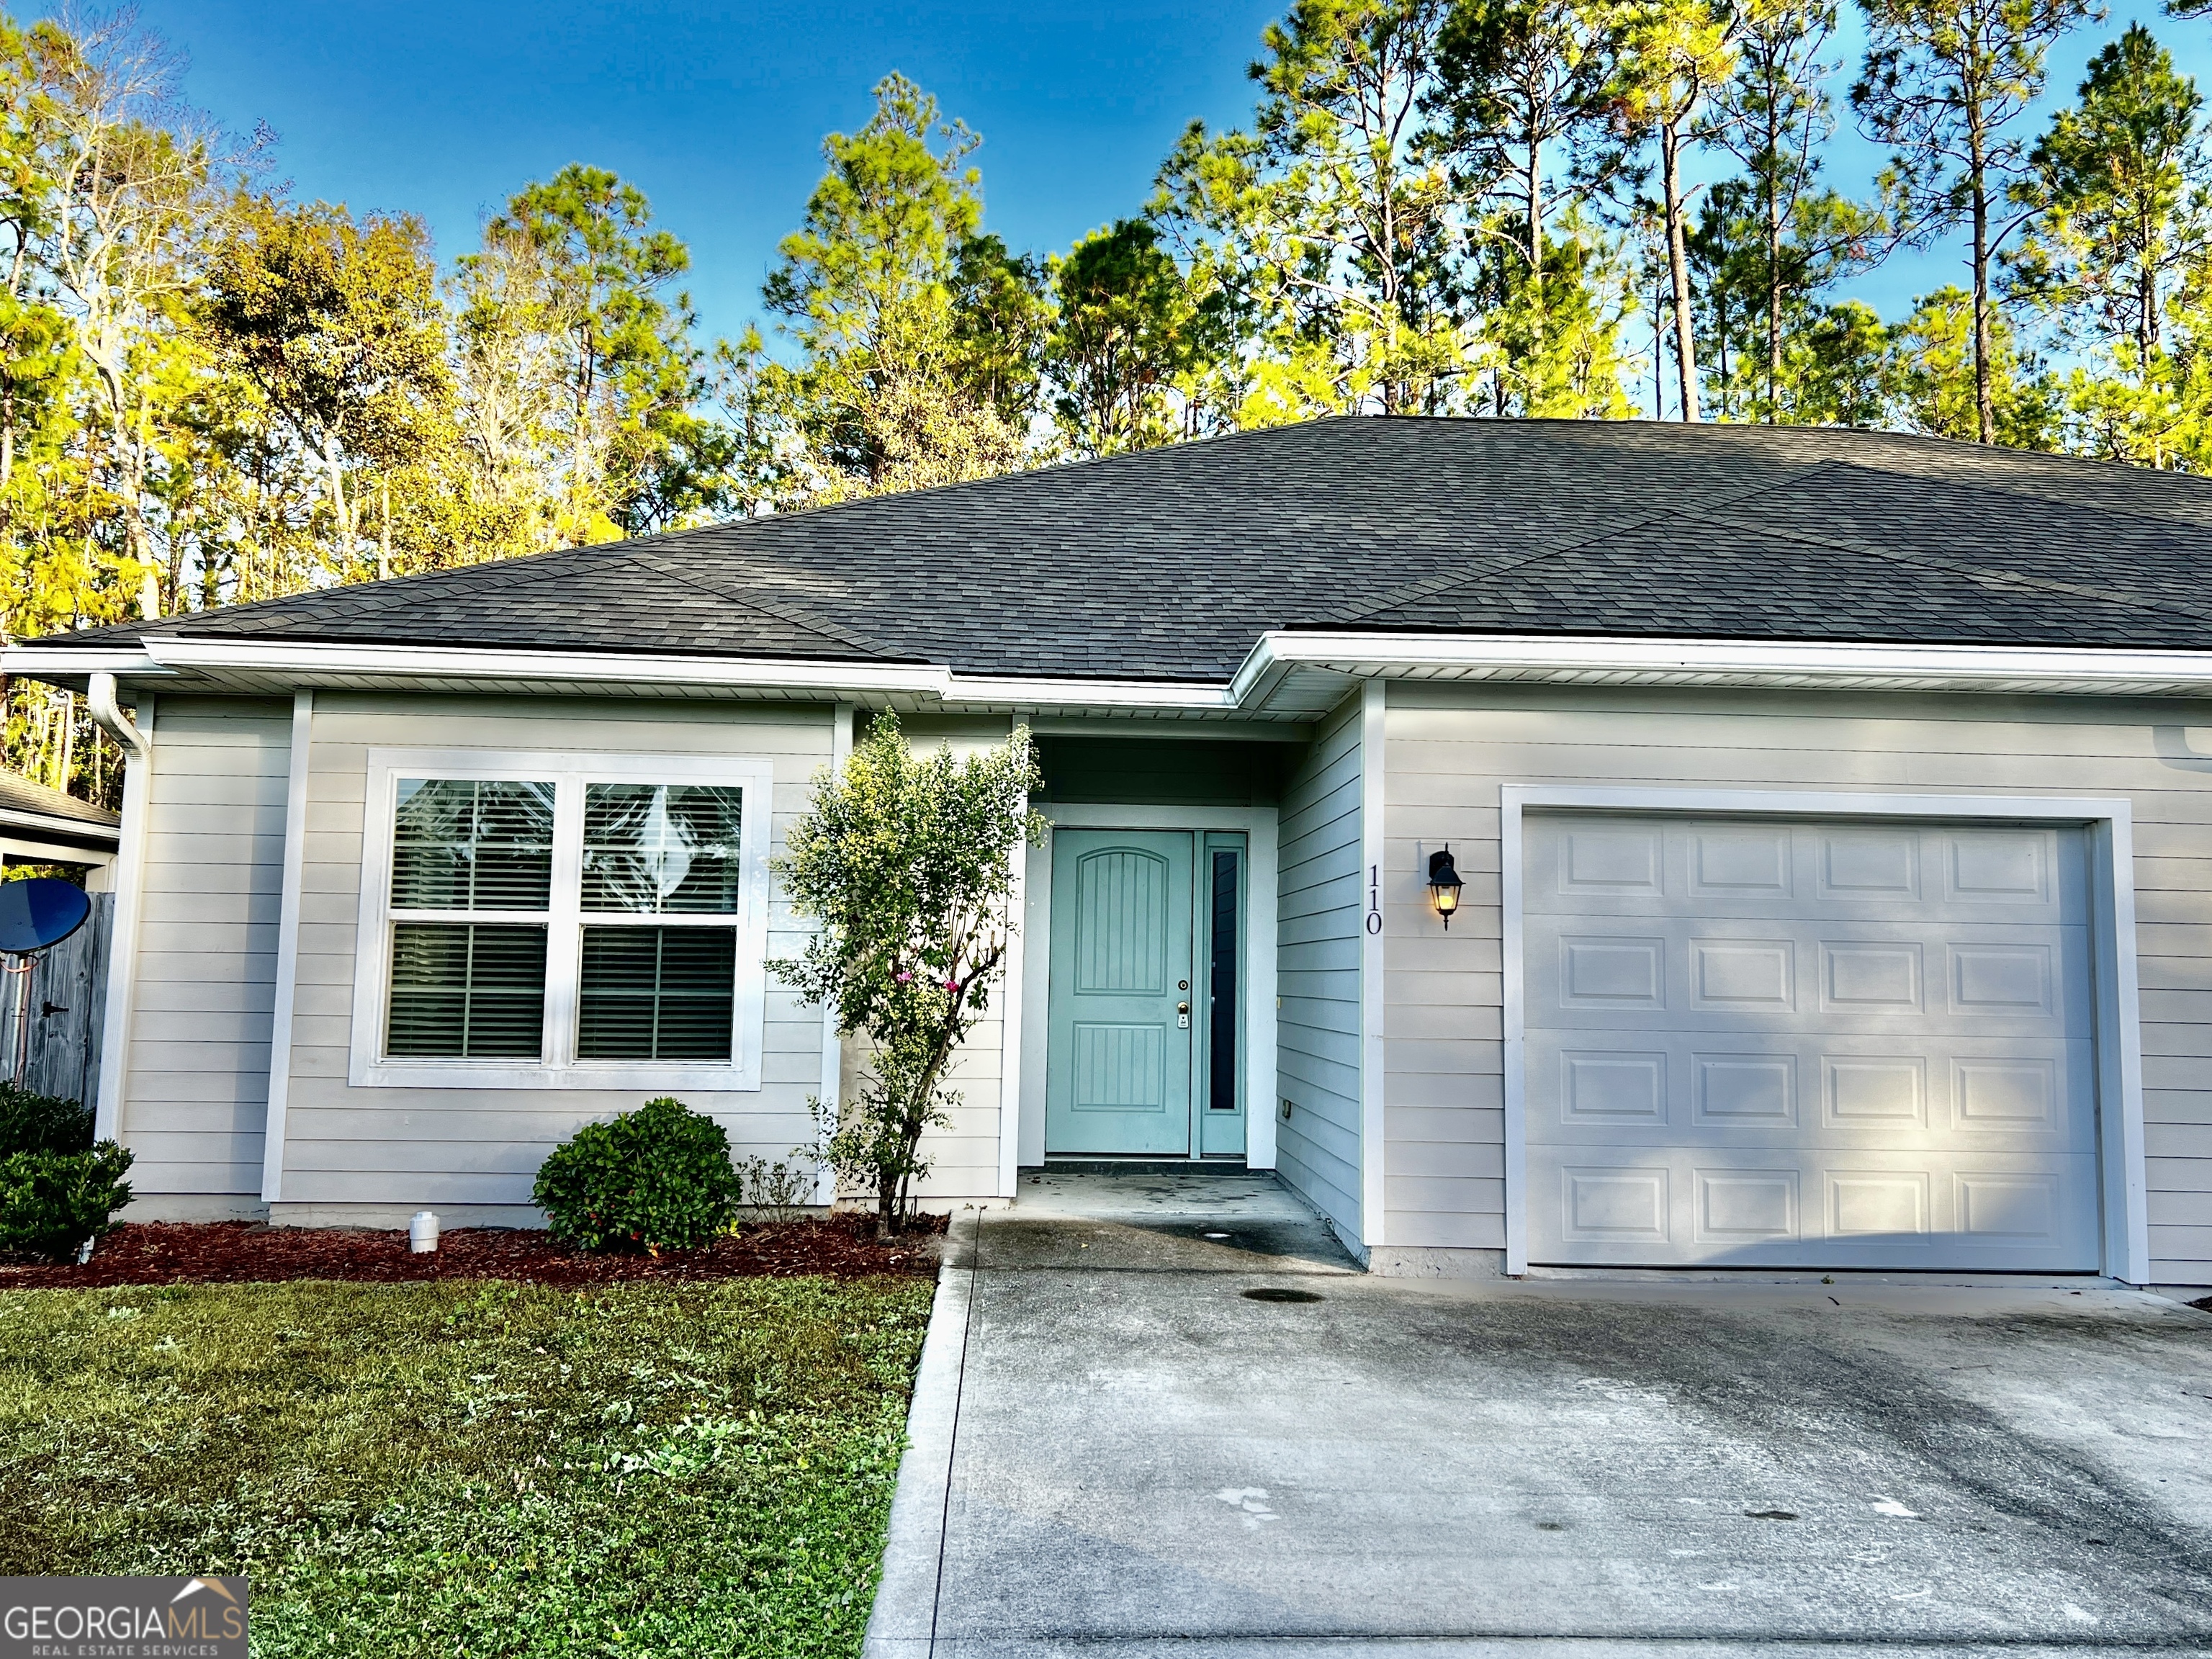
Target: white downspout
(130, 886)
(99, 697)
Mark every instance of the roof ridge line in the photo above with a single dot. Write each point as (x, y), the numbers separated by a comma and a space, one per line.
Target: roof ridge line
(1433, 586)
(799, 618)
(1979, 572)
(1066, 463)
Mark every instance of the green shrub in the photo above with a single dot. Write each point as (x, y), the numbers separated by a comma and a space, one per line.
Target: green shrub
(51, 1202)
(42, 1123)
(659, 1176)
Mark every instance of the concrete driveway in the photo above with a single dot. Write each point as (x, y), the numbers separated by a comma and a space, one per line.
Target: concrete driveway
(1118, 1449)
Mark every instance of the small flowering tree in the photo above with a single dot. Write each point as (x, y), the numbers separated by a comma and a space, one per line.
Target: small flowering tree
(906, 864)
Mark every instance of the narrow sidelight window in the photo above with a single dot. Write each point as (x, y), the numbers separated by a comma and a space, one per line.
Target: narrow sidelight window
(1221, 1036)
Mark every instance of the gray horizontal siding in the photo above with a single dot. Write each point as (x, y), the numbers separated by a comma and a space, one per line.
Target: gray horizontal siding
(400, 1147)
(1451, 748)
(1317, 972)
(196, 1080)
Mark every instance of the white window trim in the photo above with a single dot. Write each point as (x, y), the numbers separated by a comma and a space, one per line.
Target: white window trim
(369, 1068)
(2121, 1168)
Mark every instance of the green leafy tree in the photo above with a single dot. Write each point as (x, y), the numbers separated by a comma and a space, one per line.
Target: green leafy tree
(1001, 320)
(1674, 53)
(1528, 109)
(1332, 220)
(1791, 237)
(1126, 330)
(339, 323)
(136, 180)
(1721, 252)
(1944, 381)
(897, 389)
(1943, 85)
(905, 864)
(1553, 348)
(593, 276)
(2116, 187)
(1836, 370)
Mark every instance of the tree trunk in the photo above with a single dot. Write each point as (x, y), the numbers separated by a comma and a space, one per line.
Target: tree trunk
(142, 534)
(1534, 171)
(1986, 409)
(2147, 331)
(1678, 271)
(1773, 289)
(384, 538)
(1721, 345)
(334, 470)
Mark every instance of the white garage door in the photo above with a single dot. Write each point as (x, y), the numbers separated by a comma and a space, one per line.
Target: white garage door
(1761, 1042)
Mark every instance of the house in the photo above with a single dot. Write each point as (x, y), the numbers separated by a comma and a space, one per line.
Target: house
(39, 825)
(1833, 811)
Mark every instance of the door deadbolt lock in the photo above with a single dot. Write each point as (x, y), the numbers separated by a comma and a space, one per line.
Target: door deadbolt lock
(1183, 1016)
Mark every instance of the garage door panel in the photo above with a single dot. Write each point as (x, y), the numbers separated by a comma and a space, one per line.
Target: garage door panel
(2025, 981)
(1824, 1088)
(1754, 1207)
(1788, 1043)
(1998, 873)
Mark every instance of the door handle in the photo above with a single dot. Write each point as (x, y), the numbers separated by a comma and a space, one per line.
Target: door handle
(1183, 1016)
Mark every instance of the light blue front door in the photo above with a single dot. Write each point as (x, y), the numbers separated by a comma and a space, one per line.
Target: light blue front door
(1117, 1063)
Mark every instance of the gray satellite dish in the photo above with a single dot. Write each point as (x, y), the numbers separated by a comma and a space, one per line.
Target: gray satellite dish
(35, 915)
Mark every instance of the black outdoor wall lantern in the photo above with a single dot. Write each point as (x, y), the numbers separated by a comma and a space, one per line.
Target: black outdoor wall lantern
(1444, 885)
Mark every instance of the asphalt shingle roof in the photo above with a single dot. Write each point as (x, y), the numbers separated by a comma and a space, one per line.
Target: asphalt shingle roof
(20, 794)
(1168, 565)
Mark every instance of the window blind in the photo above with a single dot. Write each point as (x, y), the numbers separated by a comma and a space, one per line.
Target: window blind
(459, 844)
(657, 993)
(467, 990)
(662, 848)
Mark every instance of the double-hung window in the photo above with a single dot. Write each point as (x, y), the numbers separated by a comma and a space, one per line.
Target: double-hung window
(562, 921)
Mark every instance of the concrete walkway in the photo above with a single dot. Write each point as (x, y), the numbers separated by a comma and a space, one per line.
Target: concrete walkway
(1118, 1449)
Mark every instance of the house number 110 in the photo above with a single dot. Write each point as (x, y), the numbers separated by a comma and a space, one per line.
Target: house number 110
(1374, 898)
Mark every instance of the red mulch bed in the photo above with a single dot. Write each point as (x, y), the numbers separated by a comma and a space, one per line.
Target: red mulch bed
(240, 1252)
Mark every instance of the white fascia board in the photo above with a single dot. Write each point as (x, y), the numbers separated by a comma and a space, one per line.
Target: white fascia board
(1001, 691)
(1959, 666)
(31, 657)
(410, 661)
(171, 656)
(24, 821)
(1995, 668)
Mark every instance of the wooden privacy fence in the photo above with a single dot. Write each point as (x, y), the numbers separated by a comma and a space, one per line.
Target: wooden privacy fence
(69, 992)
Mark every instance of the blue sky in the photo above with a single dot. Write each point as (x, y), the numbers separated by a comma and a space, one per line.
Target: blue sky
(718, 112)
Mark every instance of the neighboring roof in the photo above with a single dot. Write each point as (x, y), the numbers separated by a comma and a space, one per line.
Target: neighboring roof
(1169, 565)
(34, 807)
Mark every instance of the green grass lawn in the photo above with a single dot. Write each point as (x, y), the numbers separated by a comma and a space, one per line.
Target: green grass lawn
(472, 1467)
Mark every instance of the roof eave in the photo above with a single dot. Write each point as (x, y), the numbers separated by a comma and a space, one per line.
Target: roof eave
(1288, 675)
(1769, 664)
(281, 666)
